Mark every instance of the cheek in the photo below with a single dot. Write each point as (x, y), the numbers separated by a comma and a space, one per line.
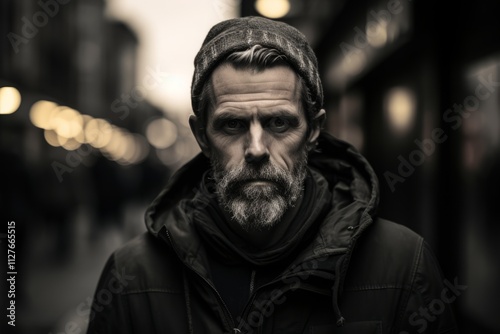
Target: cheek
(288, 150)
(226, 150)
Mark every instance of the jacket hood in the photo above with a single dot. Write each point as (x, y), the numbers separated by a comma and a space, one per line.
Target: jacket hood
(355, 196)
(351, 180)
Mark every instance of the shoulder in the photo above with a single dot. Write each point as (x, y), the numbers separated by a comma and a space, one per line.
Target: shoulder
(390, 236)
(142, 249)
(147, 263)
(386, 254)
(386, 237)
(390, 241)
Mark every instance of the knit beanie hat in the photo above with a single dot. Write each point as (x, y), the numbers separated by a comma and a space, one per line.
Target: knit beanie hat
(241, 34)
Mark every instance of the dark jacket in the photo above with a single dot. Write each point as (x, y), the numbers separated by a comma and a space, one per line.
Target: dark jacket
(359, 274)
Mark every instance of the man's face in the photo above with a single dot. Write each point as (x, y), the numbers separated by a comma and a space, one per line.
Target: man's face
(257, 137)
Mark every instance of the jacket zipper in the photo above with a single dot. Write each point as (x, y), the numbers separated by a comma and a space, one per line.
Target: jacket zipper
(225, 308)
(235, 329)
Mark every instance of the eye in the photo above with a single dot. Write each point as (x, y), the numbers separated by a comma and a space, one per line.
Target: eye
(278, 124)
(233, 126)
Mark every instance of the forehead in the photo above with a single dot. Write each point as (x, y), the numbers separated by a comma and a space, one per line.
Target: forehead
(248, 88)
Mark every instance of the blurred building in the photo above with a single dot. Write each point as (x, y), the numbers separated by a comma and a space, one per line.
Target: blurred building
(76, 160)
(69, 54)
(415, 87)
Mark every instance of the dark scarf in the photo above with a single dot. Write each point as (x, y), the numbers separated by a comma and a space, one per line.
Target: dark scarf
(232, 248)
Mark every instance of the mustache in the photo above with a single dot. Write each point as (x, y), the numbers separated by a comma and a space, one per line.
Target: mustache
(238, 178)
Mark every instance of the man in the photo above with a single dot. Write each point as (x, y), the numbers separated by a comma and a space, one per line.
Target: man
(272, 228)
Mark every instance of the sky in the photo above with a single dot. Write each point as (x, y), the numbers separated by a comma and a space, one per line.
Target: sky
(170, 34)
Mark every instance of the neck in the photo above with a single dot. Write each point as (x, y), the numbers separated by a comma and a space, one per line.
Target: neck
(265, 237)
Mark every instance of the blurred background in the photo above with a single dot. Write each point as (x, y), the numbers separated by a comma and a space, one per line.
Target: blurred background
(94, 102)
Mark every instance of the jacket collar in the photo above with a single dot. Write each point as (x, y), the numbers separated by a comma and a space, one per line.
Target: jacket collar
(351, 179)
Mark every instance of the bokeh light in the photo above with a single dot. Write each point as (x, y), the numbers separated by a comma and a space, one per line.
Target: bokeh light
(98, 132)
(42, 112)
(376, 34)
(273, 9)
(161, 133)
(400, 106)
(10, 100)
(52, 138)
(67, 122)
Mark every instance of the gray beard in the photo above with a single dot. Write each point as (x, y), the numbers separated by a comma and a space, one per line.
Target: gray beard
(258, 206)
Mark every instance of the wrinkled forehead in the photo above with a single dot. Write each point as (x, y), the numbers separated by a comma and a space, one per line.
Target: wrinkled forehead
(277, 82)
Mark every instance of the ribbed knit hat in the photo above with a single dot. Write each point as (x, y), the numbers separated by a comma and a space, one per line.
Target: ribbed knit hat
(241, 34)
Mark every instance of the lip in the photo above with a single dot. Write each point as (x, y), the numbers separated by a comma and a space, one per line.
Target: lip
(258, 182)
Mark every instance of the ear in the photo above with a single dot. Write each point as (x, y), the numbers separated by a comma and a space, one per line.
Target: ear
(316, 126)
(200, 134)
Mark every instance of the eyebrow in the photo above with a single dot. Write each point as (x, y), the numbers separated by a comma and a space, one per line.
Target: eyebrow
(230, 115)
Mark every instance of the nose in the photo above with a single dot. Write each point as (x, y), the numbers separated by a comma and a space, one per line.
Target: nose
(256, 150)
